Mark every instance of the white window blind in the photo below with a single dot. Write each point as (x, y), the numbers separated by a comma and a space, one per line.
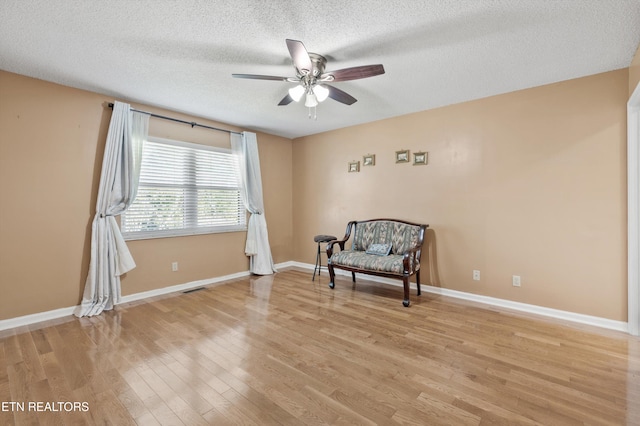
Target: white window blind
(185, 189)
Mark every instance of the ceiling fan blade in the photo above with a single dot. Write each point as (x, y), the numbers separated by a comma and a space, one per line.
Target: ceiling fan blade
(300, 56)
(353, 73)
(260, 77)
(286, 100)
(340, 95)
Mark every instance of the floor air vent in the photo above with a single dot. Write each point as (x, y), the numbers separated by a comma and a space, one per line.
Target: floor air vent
(193, 289)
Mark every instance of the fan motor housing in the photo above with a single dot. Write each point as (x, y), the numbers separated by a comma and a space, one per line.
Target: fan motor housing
(318, 63)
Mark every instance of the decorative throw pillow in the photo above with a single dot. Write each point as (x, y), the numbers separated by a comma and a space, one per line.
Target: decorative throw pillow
(379, 249)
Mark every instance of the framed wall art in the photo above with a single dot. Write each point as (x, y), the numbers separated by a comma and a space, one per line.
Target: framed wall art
(420, 158)
(369, 160)
(354, 166)
(402, 156)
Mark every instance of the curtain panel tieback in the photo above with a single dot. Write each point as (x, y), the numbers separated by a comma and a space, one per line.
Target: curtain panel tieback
(245, 148)
(110, 256)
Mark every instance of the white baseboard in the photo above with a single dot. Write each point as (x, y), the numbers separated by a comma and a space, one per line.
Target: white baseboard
(517, 306)
(181, 287)
(492, 301)
(34, 318)
(288, 264)
(63, 312)
(192, 284)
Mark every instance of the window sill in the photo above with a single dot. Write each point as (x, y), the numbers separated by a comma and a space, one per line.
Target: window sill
(180, 233)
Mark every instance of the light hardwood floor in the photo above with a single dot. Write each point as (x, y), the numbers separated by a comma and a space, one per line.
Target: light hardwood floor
(286, 350)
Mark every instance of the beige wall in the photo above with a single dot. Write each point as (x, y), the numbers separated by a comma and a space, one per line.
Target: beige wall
(51, 145)
(634, 72)
(530, 183)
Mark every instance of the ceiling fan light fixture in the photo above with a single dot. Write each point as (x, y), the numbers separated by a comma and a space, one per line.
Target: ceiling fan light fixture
(310, 78)
(321, 92)
(297, 92)
(311, 100)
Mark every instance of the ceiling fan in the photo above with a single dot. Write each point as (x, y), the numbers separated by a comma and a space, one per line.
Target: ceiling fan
(312, 78)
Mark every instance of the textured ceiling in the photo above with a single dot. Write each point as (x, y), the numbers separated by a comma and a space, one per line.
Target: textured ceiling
(180, 54)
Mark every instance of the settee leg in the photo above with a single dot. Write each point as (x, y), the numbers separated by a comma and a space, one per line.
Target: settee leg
(405, 283)
(418, 281)
(353, 277)
(332, 276)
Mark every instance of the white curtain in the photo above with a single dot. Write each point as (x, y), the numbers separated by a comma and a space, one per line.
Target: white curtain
(245, 147)
(110, 257)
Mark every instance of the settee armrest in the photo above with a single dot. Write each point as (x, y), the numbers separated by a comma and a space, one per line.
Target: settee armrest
(414, 254)
(341, 243)
(330, 245)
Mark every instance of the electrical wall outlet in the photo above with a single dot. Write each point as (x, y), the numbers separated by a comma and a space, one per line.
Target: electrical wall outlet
(476, 275)
(515, 280)
(174, 266)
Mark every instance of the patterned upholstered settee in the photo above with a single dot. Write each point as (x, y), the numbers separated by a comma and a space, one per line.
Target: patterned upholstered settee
(383, 247)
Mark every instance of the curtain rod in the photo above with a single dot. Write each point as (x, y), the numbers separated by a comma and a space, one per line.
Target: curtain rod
(191, 123)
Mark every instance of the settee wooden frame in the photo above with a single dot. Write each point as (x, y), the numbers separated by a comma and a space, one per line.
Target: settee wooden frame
(414, 253)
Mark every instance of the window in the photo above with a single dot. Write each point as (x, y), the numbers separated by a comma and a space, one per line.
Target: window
(185, 189)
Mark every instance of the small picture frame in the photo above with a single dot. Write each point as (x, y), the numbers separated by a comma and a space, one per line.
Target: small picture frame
(402, 156)
(420, 158)
(354, 166)
(369, 160)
